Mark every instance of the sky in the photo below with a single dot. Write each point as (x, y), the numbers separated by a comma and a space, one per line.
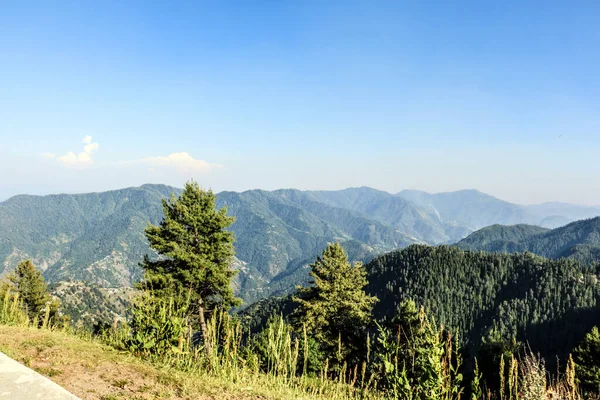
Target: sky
(503, 97)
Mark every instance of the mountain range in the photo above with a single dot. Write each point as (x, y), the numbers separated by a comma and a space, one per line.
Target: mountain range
(98, 237)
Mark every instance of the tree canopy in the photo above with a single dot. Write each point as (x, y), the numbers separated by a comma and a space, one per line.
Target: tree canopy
(32, 289)
(336, 307)
(195, 249)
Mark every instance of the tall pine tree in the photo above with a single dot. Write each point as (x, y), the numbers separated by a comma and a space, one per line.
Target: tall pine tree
(195, 251)
(335, 308)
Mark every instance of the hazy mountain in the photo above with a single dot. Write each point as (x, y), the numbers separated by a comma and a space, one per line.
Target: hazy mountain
(500, 237)
(473, 210)
(561, 212)
(96, 237)
(580, 240)
(276, 236)
(391, 210)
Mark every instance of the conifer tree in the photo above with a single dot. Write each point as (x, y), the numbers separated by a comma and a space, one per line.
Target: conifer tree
(335, 308)
(411, 356)
(195, 251)
(587, 362)
(29, 283)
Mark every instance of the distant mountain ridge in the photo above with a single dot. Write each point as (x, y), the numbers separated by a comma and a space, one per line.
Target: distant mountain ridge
(579, 240)
(98, 237)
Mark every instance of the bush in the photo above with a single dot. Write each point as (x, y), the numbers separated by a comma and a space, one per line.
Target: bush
(157, 326)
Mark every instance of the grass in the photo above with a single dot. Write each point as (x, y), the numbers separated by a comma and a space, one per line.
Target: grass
(92, 370)
(144, 363)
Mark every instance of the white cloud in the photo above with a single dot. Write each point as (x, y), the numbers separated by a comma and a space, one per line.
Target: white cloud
(182, 162)
(81, 159)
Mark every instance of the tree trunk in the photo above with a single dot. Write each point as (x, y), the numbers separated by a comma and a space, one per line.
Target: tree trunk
(203, 327)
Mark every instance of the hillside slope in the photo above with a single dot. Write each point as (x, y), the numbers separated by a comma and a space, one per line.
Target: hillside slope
(99, 237)
(550, 304)
(93, 371)
(579, 240)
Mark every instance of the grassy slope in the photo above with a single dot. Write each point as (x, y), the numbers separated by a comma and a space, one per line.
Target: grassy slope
(94, 371)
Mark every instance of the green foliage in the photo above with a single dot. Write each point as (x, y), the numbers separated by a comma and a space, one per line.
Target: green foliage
(336, 310)
(157, 326)
(196, 250)
(32, 288)
(28, 283)
(276, 339)
(550, 304)
(11, 309)
(579, 240)
(410, 355)
(587, 362)
(476, 390)
(415, 359)
(493, 351)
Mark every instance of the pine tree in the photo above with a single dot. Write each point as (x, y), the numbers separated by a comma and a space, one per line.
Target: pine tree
(410, 355)
(195, 252)
(29, 283)
(587, 364)
(335, 309)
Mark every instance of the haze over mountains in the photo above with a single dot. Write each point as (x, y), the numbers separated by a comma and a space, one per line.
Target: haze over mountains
(98, 237)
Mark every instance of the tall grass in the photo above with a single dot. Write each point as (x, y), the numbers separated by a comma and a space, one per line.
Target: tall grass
(281, 364)
(160, 331)
(527, 379)
(11, 309)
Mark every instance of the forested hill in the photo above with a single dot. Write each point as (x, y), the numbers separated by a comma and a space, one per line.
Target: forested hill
(579, 240)
(550, 304)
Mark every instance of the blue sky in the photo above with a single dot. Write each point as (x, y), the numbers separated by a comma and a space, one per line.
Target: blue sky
(504, 98)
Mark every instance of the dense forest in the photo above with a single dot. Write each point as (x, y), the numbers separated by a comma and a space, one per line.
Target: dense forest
(579, 240)
(550, 304)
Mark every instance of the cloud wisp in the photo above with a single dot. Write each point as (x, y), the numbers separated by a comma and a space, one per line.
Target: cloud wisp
(181, 162)
(82, 158)
(178, 163)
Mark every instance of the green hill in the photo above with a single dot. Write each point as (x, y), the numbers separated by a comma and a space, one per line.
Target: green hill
(579, 240)
(549, 303)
